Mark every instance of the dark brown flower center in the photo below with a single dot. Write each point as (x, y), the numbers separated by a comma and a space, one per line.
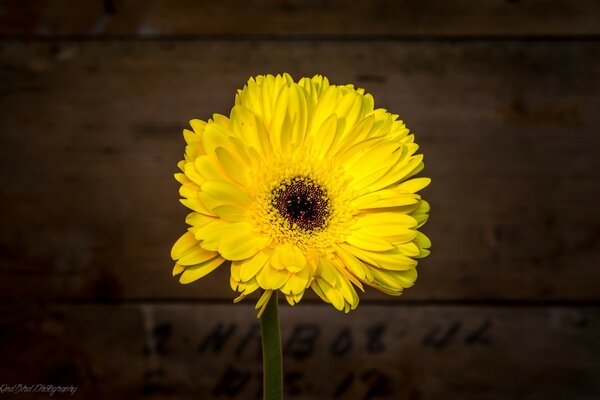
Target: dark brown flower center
(301, 202)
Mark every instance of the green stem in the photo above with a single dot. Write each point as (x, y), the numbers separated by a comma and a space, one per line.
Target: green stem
(271, 350)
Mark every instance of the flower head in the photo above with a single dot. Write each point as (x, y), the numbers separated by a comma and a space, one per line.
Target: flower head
(304, 185)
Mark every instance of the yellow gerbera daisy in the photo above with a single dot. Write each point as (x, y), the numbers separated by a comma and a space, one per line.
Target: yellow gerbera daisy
(304, 185)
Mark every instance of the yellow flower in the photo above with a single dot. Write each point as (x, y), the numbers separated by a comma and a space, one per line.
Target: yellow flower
(304, 185)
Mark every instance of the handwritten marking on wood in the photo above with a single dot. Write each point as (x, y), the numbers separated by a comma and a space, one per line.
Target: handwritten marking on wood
(376, 352)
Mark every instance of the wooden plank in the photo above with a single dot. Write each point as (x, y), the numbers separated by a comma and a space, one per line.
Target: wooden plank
(330, 18)
(91, 135)
(212, 351)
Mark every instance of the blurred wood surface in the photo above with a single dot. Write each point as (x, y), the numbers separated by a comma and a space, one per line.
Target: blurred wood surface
(91, 136)
(208, 351)
(284, 18)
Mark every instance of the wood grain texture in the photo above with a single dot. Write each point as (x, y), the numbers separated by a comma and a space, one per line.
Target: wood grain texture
(212, 351)
(90, 135)
(284, 18)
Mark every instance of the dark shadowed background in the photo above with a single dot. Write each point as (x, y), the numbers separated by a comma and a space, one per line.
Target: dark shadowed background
(504, 99)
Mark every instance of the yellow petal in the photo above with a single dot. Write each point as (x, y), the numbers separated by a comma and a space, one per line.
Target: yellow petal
(189, 136)
(353, 264)
(421, 213)
(298, 116)
(198, 219)
(317, 289)
(423, 253)
(216, 193)
(244, 288)
(182, 245)
(297, 282)
(367, 104)
(181, 178)
(192, 173)
(379, 159)
(245, 126)
(414, 185)
(196, 272)
(288, 256)
(234, 167)
(396, 280)
(347, 273)
(262, 302)
(177, 269)
(364, 241)
(208, 169)
(393, 259)
(278, 134)
(249, 267)
(384, 198)
(409, 249)
(235, 272)
(240, 298)
(232, 212)
(241, 243)
(349, 109)
(422, 240)
(197, 255)
(198, 126)
(189, 190)
(196, 205)
(400, 171)
(271, 278)
(347, 291)
(326, 271)
(213, 233)
(216, 135)
(293, 299)
(358, 134)
(325, 136)
(249, 287)
(396, 235)
(385, 220)
(332, 294)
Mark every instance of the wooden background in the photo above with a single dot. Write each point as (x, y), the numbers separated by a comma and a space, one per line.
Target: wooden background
(504, 98)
